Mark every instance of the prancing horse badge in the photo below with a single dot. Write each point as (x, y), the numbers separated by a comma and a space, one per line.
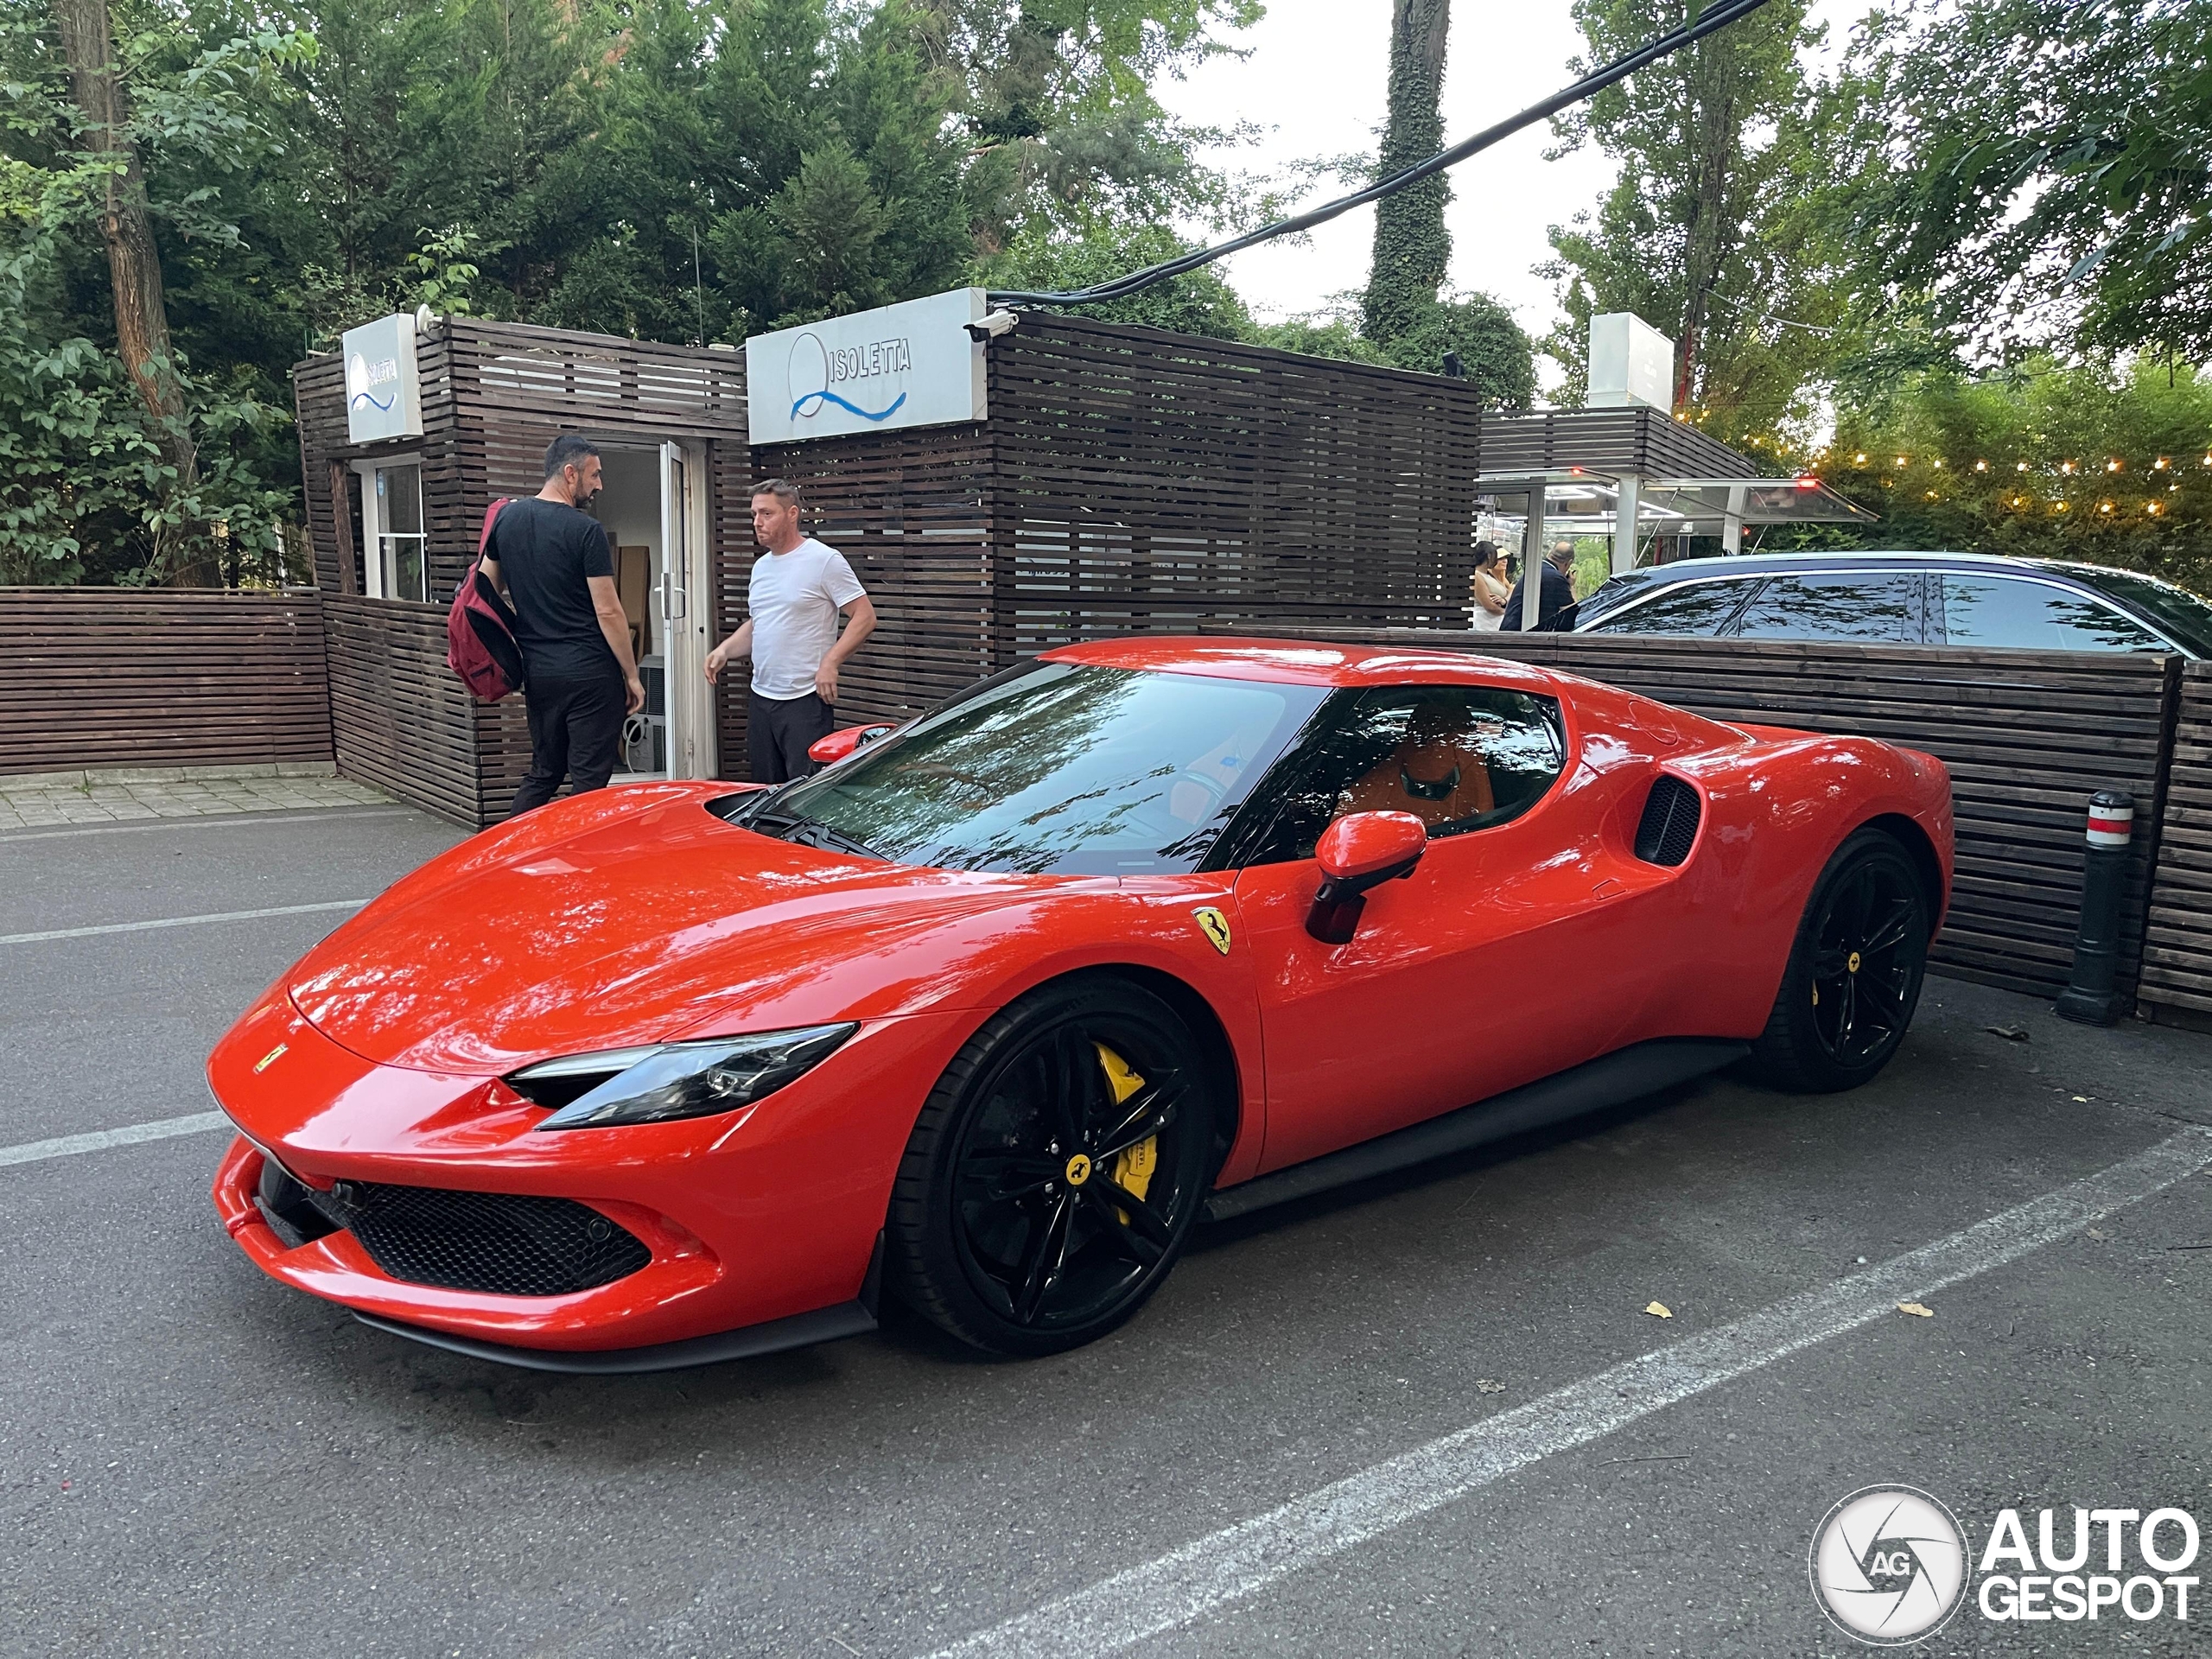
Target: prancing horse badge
(1215, 926)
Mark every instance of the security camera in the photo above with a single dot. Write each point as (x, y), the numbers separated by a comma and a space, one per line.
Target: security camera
(991, 326)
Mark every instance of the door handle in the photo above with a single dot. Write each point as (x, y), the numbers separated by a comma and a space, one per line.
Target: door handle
(672, 599)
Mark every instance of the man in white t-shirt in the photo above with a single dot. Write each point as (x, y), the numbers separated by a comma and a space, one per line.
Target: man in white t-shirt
(798, 589)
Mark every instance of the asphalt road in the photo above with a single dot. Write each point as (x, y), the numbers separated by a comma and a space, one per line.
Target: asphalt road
(196, 1460)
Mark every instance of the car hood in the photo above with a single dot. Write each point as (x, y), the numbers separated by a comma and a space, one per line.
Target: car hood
(611, 922)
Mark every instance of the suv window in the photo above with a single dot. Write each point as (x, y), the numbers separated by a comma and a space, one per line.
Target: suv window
(1695, 607)
(1878, 607)
(2020, 615)
(1457, 757)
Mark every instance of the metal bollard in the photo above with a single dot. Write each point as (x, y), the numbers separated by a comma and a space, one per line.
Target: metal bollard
(2090, 995)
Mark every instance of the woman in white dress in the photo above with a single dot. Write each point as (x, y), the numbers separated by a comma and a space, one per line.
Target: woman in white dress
(1490, 589)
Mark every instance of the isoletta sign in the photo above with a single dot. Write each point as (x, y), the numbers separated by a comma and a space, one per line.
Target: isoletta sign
(384, 393)
(912, 363)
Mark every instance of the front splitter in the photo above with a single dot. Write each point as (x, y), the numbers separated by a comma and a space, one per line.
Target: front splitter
(748, 1342)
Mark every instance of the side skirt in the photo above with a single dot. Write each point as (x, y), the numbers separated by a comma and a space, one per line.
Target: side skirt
(1624, 1074)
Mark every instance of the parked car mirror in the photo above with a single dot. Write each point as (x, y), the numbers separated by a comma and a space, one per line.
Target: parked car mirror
(1358, 852)
(825, 751)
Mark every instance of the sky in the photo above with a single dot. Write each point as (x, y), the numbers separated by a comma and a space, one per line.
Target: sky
(1314, 85)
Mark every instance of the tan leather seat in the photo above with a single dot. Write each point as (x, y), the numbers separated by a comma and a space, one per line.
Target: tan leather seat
(1436, 773)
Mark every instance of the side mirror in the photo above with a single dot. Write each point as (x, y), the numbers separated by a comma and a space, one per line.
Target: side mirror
(826, 751)
(1357, 852)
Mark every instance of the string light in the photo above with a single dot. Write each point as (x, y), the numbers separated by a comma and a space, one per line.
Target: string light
(2065, 466)
(2112, 466)
(1937, 464)
(2156, 508)
(2159, 465)
(2019, 466)
(1981, 466)
(2105, 507)
(1861, 460)
(1903, 460)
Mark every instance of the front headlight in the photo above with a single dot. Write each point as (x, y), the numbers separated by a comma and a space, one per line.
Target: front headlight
(674, 1080)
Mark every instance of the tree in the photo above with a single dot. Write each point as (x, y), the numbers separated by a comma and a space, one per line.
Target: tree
(1413, 251)
(122, 462)
(2059, 190)
(1703, 235)
(2096, 459)
(1196, 302)
(1055, 99)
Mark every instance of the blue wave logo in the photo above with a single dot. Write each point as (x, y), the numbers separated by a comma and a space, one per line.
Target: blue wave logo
(373, 401)
(818, 399)
(809, 373)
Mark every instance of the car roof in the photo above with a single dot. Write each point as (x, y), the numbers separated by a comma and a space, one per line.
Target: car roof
(1746, 564)
(1303, 662)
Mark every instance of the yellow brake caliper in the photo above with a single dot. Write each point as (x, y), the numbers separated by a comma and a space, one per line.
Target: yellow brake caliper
(1132, 1168)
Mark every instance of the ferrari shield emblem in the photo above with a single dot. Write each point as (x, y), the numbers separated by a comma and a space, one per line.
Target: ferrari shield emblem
(269, 1059)
(1215, 926)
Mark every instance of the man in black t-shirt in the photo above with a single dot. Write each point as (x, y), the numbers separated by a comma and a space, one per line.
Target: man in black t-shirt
(579, 676)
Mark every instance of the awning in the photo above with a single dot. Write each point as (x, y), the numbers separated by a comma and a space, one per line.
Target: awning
(1579, 500)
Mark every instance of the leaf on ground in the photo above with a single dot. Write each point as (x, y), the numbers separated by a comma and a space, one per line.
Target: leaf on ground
(1489, 1385)
(1659, 1310)
(1917, 1309)
(2009, 1033)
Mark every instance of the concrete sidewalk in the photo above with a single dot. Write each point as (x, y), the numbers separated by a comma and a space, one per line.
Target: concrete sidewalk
(37, 800)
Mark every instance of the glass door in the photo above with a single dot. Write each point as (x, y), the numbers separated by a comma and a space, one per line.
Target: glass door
(394, 497)
(686, 616)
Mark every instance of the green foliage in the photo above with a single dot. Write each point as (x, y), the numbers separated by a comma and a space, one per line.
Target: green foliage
(1196, 302)
(1494, 353)
(1709, 234)
(90, 489)
(2021, 461)
(1413, 251)
(2058, 191)
(1333, 338)
(671, 169)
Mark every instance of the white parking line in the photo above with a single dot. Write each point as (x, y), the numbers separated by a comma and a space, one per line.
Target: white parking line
(32, 1152)
(181, 921)
(212, 821)
(1226, 1566)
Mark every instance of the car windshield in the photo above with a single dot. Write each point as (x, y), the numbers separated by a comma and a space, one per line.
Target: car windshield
(1066, 769)
(2184, 618)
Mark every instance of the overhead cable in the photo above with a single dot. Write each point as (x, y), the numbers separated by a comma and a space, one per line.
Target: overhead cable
(1700, 26)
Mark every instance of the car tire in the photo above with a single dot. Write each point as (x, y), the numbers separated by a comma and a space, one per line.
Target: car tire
(1025, 1219)
(1854, 974)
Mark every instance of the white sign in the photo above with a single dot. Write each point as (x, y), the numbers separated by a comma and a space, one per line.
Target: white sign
(1630, 362)
(384, 393)
(906, 365)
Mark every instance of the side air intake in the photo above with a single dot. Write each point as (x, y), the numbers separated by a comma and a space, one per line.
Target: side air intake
(1668, 826)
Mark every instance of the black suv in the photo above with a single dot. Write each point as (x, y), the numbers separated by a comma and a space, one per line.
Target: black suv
(1933, 598)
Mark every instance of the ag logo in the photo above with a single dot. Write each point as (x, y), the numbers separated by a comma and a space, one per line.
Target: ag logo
(1889, 1566)
(1214, 926)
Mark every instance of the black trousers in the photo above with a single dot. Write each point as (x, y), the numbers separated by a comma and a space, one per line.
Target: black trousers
(575, 731)
(778, 731)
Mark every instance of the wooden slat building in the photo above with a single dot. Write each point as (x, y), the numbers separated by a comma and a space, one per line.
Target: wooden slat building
(493, 396)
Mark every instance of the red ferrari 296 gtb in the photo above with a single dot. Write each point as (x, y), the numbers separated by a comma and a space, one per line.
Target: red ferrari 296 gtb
(986, 1014)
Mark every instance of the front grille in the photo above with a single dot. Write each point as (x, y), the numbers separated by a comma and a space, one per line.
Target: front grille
(500, 1242)
(1668, 827)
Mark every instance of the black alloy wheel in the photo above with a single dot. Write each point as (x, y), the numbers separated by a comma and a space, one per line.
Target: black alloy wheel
(1853, 979)
(1055, 1170)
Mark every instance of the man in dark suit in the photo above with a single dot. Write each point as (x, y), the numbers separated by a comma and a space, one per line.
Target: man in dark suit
(1556, 594)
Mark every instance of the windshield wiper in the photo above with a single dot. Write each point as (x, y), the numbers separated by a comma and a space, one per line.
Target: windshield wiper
(811, 832)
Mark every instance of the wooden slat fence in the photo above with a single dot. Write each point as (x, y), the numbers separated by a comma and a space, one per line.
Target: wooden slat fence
(402, 720)
(2177, 951)
(2028, 736)
(114, 677)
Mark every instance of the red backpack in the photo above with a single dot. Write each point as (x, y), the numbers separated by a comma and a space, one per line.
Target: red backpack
(481, 629)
